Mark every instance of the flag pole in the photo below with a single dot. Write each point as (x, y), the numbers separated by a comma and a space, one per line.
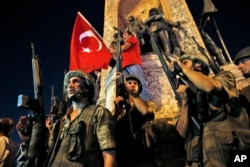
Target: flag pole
(222, 41)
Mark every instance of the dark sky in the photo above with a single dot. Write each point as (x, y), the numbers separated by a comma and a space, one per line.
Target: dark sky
(49, 23)
(232, 20)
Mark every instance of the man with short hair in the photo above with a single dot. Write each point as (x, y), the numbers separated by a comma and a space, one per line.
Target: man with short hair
(87, 132)
(137, 28)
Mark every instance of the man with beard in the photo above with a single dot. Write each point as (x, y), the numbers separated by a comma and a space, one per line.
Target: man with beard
(86, 135)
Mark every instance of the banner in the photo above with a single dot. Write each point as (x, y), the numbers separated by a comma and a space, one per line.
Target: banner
(87, 49)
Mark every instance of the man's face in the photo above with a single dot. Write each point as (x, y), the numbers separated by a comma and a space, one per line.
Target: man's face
(132, 85)
(244, 66)
(74, 86)
(125, 36)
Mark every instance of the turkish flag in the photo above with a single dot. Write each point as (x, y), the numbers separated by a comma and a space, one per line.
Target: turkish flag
(87, 49)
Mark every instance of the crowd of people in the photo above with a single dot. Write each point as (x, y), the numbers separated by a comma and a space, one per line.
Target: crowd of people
(213, 117)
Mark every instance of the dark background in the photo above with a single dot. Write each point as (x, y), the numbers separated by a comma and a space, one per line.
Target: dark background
(49, 24)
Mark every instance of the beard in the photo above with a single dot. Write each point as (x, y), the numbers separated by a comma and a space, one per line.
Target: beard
(77, 96)
(246, 75)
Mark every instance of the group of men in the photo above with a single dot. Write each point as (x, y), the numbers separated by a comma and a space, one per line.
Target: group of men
(86, 135)
(212, 117)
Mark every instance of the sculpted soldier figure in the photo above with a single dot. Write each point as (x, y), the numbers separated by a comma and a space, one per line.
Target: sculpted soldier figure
(162, 31)
(137, 28)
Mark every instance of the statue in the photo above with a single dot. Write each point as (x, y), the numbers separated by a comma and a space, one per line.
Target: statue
(162, 31)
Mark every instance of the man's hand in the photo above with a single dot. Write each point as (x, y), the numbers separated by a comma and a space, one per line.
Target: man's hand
(22, 128)
(49, 124)
(119, 105)
(118, 99)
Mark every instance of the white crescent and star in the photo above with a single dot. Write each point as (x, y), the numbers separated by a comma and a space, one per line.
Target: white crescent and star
(86, 34)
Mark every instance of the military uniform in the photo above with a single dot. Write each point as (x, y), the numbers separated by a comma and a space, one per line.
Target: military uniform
(132, 149)
(84, 138)
(221, 128)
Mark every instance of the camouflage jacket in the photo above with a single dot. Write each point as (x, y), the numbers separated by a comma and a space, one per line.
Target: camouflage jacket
(82, 140)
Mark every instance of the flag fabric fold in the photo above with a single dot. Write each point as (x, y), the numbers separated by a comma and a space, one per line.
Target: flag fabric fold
(87, 49)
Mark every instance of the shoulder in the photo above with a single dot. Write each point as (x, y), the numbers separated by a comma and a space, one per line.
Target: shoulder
(100, 111)
(104, 111)
(3, 142)
(226, 77)
(98, 107)
(227, 80)
(224, 74)
(4, 139)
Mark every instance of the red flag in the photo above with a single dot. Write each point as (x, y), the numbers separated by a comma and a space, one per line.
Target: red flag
(87, 49)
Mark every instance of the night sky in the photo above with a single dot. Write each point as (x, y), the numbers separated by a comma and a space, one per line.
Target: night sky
(49, 24)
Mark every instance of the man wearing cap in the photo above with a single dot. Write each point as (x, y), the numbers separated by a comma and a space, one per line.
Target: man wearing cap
(208, 114)
(132, 112)
(242, 60)
(8, 148)
(87, 132)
